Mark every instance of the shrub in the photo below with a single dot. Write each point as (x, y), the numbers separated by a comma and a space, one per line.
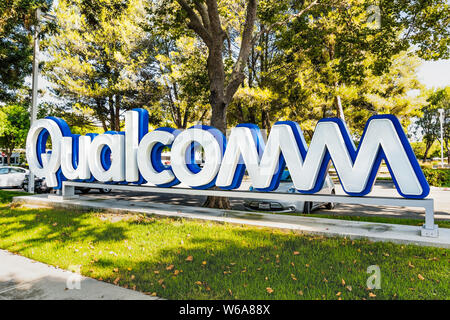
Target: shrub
(437, 177)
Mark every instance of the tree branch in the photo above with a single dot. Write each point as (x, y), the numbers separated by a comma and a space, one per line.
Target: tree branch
(290, 18)
(214, 19)
(203, 11)
(195, 23)
(237, 76)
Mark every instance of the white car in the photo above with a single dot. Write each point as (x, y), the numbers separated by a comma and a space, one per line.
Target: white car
(286, 206)
(12, 177)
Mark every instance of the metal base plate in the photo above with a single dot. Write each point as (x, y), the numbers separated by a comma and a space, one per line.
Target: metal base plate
(432, 233)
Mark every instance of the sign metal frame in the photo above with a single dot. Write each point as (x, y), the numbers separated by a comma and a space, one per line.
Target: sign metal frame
(429, 228)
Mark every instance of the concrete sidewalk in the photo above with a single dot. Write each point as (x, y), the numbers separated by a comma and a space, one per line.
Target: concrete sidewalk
(403, 234)
(25, 279)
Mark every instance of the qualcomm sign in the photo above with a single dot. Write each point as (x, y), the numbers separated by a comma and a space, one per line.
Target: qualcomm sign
(134, 156)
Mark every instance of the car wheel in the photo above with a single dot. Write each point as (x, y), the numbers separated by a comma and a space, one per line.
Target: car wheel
(84, 190)
(104, 190)
(307, 208)
(331, 205)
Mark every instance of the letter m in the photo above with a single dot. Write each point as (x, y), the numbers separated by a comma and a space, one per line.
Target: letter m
(383, 139)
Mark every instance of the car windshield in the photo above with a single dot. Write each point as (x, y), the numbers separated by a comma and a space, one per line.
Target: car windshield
(4, 170)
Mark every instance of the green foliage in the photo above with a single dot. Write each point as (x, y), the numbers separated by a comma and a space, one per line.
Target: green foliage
(183, 81)
(14, 126)
(101, 61)
(420, 146)
(428, 125)
(16, 50)
(313, 55)
(437, 177)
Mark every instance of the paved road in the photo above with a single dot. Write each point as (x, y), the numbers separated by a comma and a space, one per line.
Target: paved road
(442, 202)
(382, 189)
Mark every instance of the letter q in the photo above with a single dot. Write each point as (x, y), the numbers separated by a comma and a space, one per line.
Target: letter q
(42, 164)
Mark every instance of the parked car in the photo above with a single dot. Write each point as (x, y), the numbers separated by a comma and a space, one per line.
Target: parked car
(12, 177)
(40, 186)
(286, 176)
(86, 190)
(287, 206)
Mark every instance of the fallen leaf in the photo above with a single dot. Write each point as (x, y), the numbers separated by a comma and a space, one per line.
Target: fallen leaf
(231, 293)
(269, 290)
(410, 264)
(349, 288)
(189, 258)
(338, 294)
(116, 281)
(296, 253)
(343, 282)
(129, 269)
(372, 295)
(198, 283)
(300, 292)
(204, 262)
(170, 267)
(160, 281)
(156, 272)
(132, 277)
(420, 277)
(116, 269)
(176, 272)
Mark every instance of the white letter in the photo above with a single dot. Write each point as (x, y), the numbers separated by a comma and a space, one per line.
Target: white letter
(50, 162)
(116, 172)
(213, 157)
(144, 160)
(67, 167)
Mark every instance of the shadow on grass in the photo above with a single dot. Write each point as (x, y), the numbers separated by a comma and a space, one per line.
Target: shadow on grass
(185, 259)
(41, 225)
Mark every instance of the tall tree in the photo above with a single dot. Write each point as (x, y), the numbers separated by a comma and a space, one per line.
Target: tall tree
(183, 79)
(206, 20)
(17, 18)
(101, 60)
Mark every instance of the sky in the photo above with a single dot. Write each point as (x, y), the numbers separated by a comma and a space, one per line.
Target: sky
(435, 73)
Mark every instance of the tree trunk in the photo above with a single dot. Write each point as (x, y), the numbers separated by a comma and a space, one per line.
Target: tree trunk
(112, 122)
(427, 149)
(208, 26)
(265, 121)
(219, 109)
(218, 120)
(117, 112)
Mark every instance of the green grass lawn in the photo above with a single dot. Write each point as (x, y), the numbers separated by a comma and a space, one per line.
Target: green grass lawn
(186, 259)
